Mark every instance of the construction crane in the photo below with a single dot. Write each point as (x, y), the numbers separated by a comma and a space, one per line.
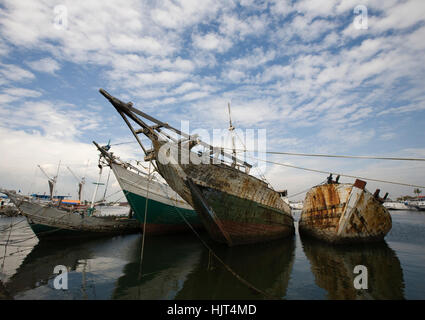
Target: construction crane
(81, 182)
(51, 181)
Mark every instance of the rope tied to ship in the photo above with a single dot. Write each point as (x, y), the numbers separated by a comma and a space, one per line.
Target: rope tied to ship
(144, 225)
(336, 173)
(212, 253)
(365, 157)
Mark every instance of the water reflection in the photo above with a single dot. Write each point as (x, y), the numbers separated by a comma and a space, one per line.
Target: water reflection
(37, 267)
(91, 263)
(179, 267)
(333, 267)
(266, 266)
(16, 242)
(167, 261)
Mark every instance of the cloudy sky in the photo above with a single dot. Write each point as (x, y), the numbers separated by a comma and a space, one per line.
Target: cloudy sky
(312, 73)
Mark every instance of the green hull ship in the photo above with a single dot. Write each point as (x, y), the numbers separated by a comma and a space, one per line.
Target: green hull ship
(166, 210)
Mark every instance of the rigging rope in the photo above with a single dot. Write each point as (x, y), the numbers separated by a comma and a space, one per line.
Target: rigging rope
(144, 225)
(304, 191)
(332, 155)
(211, 252)
(340, 174)
(242, 280)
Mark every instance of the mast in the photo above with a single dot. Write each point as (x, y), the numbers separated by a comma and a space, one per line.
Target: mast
(127, 110)
(106, 186)
(231, 129)
(56, 180)
(97, 187)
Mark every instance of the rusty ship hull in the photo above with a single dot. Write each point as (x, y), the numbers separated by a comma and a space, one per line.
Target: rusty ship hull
(48, 221)
(235, 207)
(344, 213)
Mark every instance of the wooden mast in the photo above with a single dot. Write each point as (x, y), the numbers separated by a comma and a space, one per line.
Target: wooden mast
(127, 109)
(231, 130)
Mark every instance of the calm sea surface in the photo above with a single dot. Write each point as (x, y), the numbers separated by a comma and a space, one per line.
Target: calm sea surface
(179, 267)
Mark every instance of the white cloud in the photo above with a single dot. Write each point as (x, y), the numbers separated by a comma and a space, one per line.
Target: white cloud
(281, 7)
(25, 150)
(8, 95)
(186, 86)
(257, 58)
(47, 65)
(211, 41)
(295, 68)
(233, 75)
(400, 16)
(13, 73)
(232, 26)
(180, 14)
(403, 109)
(52, 119)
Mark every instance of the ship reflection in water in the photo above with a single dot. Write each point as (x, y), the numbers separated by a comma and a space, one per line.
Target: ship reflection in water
(180, 267)
(333, 269)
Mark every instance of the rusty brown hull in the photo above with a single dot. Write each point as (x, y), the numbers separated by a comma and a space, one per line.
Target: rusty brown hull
(344, 213)
(235, 207)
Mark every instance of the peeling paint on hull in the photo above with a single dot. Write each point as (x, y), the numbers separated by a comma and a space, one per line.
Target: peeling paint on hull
(239, 208)
(50, 221)
(244, 220)
(343, 213)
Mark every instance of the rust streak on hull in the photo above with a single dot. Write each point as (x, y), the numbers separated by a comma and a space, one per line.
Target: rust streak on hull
(219, 193)
(344, 213)
(240, 208)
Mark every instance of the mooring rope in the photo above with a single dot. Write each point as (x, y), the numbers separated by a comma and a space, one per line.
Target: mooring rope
(14, 224)
(211, 251)
(144, 226)
(330, 155)
(5, 248)
(336, 173)
(304, 191)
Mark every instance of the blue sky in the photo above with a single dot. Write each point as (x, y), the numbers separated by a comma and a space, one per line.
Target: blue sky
(299, 69)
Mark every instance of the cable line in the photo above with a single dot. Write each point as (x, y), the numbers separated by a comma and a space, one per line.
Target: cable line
(333, 155)
(335, 173)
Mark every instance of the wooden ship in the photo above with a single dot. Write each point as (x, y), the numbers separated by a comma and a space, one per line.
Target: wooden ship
(9, 210)
(234, 206)
(50, 220)
(344, 213)
(164, 206)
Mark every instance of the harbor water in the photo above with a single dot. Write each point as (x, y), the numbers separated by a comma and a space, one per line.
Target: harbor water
(180, 267)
